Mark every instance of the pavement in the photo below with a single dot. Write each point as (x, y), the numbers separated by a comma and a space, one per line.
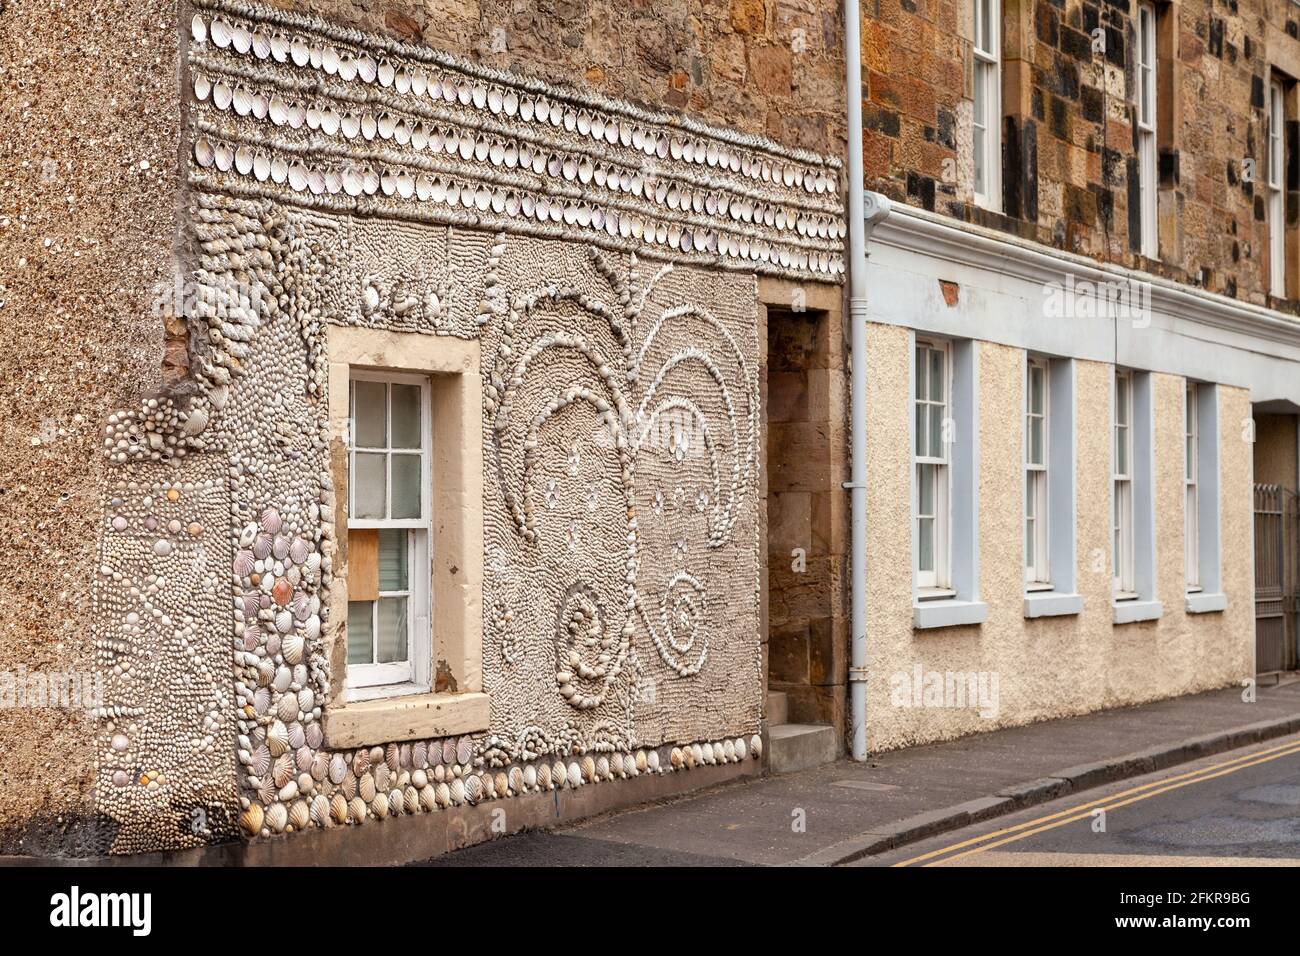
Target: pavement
(845, 811)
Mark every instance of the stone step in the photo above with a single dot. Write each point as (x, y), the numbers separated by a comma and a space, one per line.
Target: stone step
(778, 708)
(800, 746)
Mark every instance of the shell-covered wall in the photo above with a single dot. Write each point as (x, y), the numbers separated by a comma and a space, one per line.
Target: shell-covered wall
(604, 257)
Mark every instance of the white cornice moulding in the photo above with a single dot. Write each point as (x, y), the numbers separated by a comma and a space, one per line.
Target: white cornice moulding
(924, 233)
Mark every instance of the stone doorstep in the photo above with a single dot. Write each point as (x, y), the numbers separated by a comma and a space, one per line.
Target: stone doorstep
(891, 836)
(792, 747)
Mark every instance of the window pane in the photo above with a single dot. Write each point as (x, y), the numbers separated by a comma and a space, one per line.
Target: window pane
(1121, 451)
(1187, 459)
(1029, 543)
(360, 632)
(936, 375)
(921, 387)
(1036, 390)
(1031, 499)
(922, 443)
(370, 414)
(925, 544)
(406, 416)
(1121, 401)
(369, 491)
(936, 431)
(986, 25)
(394, 553)
(1035, 441)
(925, 489)
(392, 630)
(406, 486)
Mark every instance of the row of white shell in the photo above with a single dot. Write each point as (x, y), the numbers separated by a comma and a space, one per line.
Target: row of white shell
(228, 95)
(357, 180)
(350, 65)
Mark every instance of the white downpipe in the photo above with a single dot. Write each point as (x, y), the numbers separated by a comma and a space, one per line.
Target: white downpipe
(860, 209)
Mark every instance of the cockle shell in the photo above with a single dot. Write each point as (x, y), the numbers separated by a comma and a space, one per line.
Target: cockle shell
(411, 800)
(741, 749)
(652, 761)
(588, 769)
(457, 788)
(602, 768)
(530, 777)
(514, 780)
(559, 773)
(360, 762)
(428, 797)
(677, 758)
(443, 793)
(366, 787)
(544, 776)
(287, 709)
(756, 746)
(473, 787)
(393, 803)
(251, 819)
(292, 645)
(277, 817)
(320, 765)
(573, 774)
(382, 776)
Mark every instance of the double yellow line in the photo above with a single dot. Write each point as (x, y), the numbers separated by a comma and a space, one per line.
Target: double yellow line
(1085, 810)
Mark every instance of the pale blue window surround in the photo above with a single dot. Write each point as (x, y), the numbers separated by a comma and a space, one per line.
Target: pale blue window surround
(1133, 498)
(1056, 591)
(953, 597)
(1204, 563)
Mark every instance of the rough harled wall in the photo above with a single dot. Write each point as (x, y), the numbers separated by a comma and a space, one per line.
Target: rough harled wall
(1051, 666)
(604, 256)
(1069, 158)
(88, 185)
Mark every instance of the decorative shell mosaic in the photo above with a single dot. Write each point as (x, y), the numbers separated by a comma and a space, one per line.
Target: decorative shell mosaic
(604, 257)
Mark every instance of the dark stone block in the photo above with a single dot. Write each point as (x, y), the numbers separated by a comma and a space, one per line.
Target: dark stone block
(1091, 104)
(921, 188)
(1134, 203)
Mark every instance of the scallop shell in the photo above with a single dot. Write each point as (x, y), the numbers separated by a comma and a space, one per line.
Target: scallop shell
(573, 774)
(393, 757)
(262, 546)
(411, 800)
(266, 790)
(348, 785)
(514, 780)
(251, 819)
(320, 810)
(366, 787)
(339, 809)
(261, 761)
(530, 777)
(428, 797)
(357, 810)
(443, 793)
(287, 709)
(284, 770)
(244, 564)
(393, 803)
(261, 700)
(277, 817)
(338, 768)
(277, 739)
(473, 789)
(360, 762)
(500, 783)
(652, 761)
(449, 751)
(320, 766)
(298, 550)
(602, 768)
(588, 770)
(292, 644)
(464, 750)
(457, 788)
(297, 736)
(420, 755)
(299, 815)
(382, 776)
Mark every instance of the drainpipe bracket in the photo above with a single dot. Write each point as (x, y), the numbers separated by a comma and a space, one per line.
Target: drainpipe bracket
(857, 675)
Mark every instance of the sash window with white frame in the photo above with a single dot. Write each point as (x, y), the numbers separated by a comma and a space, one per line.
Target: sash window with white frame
(1276, 192)
(1122, 482)
(388, 630)
(1146, 122)
(1037, 573)
(1191, 474)
(987, 103)
(932, 377)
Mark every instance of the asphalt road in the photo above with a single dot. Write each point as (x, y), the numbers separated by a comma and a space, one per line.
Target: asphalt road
(1238, 808)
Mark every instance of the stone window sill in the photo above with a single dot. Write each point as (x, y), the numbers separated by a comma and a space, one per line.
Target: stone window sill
(950, 613)
(1130, 612)
(1052, 604)
(365, 723)
(1198, 602)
